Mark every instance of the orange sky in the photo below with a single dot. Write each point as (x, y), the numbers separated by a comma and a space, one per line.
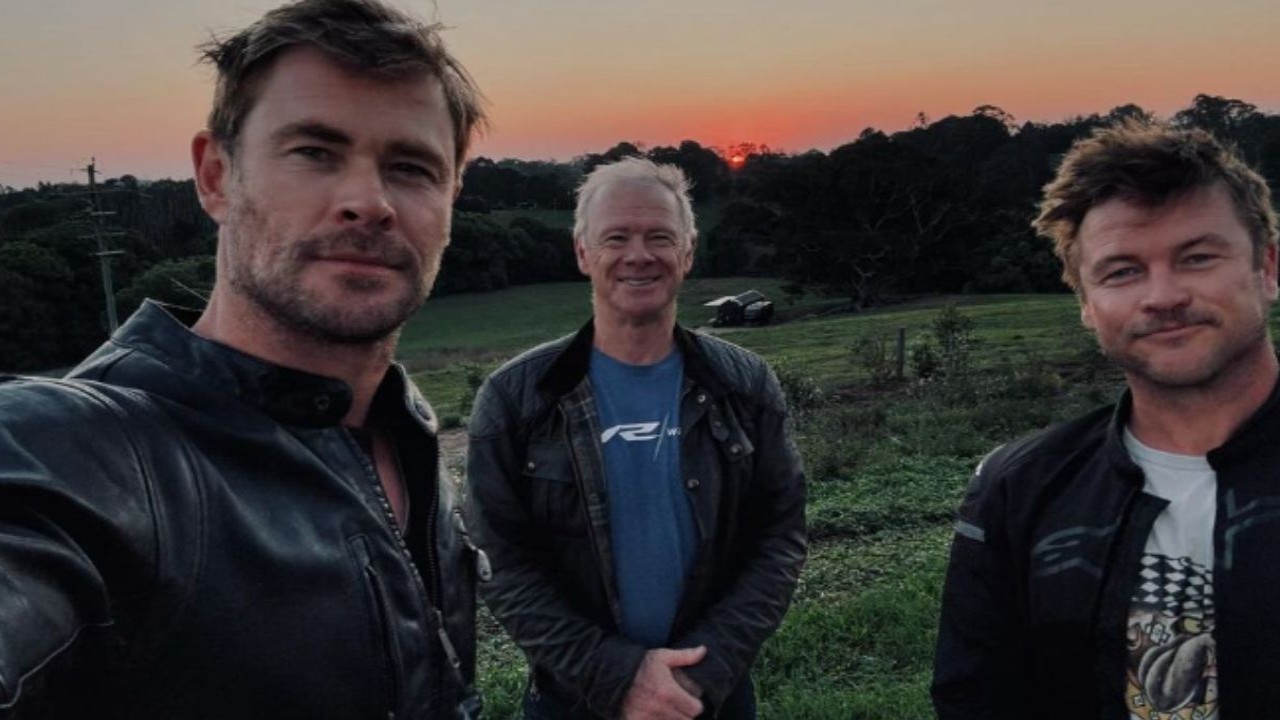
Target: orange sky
(117, 80)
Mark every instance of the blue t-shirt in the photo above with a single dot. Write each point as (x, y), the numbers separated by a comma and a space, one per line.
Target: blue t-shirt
(651, 519)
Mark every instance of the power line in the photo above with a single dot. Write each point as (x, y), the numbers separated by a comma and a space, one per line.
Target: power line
(100, 234)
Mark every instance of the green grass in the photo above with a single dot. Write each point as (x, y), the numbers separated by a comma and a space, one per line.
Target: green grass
(887, 466)
(859, 637)
(488, 328)
(1004, 326)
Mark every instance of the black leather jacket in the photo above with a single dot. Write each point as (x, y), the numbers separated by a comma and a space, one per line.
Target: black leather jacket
(188, 532)
(537, 507)
(1045, 562)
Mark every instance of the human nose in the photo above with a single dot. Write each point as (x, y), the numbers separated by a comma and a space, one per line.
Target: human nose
(1165, 290)
(363, 199)
(637, 250)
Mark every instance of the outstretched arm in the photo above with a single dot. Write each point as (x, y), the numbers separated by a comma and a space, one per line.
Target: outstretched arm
(74, 525)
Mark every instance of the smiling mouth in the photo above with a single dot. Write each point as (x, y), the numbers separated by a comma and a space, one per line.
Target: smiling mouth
(360, 262)
(1170, 330)
(639, 282)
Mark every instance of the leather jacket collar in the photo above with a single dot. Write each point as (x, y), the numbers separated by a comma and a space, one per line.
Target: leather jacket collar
(289, 396)
(1243, 443)
(571, 365)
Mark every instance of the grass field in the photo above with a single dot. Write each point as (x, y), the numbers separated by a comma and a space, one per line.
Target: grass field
(453, 334)
(887, 463)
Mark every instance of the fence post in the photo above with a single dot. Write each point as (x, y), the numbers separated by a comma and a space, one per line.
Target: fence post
(902, 352)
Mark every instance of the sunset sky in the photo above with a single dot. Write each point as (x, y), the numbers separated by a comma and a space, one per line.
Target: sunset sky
(118, 80)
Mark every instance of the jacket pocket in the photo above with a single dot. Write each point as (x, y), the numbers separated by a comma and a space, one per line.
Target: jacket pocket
(554, 498)
(382, 635)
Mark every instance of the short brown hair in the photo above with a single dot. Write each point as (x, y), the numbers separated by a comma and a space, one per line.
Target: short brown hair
(366, 36)
(1149, 163)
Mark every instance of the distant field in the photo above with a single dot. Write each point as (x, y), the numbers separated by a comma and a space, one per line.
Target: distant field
(488, 328)
(887, 464)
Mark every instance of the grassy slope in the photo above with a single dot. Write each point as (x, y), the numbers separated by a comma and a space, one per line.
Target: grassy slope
(887, 468)
(488, 328)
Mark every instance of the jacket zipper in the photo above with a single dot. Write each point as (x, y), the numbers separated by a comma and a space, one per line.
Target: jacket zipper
(389, 517)
(377, 602)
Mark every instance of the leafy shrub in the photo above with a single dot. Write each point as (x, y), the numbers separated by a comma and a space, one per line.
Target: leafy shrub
(836, 439)
(925, 362)
(953, 332)
(801, 391)
(474, 374)
(876, 358)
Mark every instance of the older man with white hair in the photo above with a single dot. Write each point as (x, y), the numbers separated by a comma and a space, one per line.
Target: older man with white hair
(634, 485)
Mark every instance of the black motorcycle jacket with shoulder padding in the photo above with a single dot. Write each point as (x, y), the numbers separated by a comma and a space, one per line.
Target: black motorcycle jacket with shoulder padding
(1046, 559)
(189, 532)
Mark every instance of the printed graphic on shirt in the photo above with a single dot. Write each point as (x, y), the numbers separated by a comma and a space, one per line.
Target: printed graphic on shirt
(638, 432)
(1172, 665)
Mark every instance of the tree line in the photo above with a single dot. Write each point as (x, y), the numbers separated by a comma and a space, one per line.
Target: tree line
(941, 207)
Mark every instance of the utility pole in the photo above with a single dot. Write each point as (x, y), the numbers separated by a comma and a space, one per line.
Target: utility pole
(104, 255)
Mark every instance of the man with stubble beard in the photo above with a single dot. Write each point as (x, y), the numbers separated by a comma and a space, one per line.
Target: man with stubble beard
(1121, 565)
(241, 512)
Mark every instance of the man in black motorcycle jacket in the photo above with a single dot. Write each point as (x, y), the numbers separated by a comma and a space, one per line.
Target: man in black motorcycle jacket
(543, 503)
(1122, 565)
(241, 512)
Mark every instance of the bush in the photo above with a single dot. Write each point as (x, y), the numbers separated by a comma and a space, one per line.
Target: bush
(874, 356)
(800, 390)
(474, 374)
(925, 362)
(953, 332)
(836, 439)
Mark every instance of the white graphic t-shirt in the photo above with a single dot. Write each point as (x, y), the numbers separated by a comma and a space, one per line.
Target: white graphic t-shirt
(1172, 671)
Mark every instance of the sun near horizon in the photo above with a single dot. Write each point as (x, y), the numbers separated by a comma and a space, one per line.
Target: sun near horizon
(119, 80)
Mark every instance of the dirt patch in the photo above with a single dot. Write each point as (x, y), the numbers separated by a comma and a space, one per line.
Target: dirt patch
(453, 447)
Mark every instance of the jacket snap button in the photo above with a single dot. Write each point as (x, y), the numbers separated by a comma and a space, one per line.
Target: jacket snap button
(531, 466)
(735, 448)
(702, 397)
(322, 402)
(691, 483)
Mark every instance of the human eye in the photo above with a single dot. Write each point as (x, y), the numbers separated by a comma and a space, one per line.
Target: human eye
(1198, 259)
(1119, 274)
(662, 240)
(614, 240)
(415, 170)
(312, 152)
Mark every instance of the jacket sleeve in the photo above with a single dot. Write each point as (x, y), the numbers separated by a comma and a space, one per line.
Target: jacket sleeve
(591, 661)
(980, 667)
(737, 625)
(73, 516)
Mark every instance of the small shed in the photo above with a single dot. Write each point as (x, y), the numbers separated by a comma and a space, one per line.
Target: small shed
(748, 308)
